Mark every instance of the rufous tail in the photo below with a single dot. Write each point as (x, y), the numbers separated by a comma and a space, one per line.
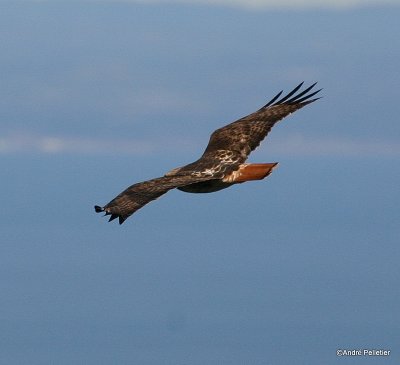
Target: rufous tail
(248, 172)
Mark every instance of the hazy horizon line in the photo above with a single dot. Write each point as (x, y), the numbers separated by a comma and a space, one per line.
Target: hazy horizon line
(295, 144)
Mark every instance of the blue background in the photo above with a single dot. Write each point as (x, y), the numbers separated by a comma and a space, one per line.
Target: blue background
(97, 96)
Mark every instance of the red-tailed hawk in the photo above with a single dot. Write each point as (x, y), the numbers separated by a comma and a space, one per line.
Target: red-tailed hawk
(223, 161)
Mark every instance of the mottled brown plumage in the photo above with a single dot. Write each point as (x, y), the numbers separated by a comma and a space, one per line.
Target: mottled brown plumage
(222, 163)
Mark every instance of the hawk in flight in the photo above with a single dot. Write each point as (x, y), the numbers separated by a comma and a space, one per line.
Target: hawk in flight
(223, 161)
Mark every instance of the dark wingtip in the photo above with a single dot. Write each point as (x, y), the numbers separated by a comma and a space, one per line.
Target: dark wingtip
(307, 97)
(302, 97)
(98, 209)
(272, 100)
(291, 93)
(113, 216)
(311, 100)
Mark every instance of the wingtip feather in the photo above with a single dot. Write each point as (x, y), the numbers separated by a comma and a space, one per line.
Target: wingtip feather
(98, 209)
(291, 98)
(305, 98)
(272, 100)
(113, 216)
(290, 94)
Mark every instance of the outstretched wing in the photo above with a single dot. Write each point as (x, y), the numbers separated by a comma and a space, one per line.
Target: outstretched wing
(244, 135)
(138, 195)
